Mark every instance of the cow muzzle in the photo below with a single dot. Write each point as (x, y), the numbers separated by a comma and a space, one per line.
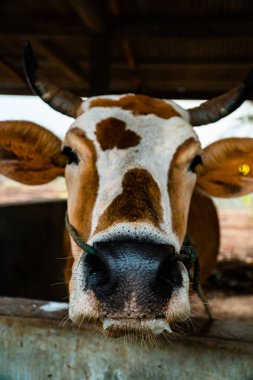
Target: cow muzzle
(135, 286)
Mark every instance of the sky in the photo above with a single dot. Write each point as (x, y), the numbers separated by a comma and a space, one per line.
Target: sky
(32, 108)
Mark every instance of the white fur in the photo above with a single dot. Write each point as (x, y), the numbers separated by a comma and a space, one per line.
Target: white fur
(178, 307)
(82, 303)
(160, 138)
(156, 326)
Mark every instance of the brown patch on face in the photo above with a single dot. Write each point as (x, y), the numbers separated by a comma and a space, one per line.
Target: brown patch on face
(203, 231)
(138, 105)
(112, 133)
(68, 256)
(140, 201)
(180, 189)
(82, 182)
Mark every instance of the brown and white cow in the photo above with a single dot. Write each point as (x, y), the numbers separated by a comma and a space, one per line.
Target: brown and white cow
(133, 167)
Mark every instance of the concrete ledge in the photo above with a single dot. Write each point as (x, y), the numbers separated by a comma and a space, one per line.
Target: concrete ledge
(35, 343)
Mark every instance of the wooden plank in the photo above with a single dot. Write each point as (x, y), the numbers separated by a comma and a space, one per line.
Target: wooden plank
(91, 14)
(61, 57)
(23, 26)
(34, 309)
(184, 26)
(15, 89)
(100, 58)
(218, 330)
(13, 73)
(198, 27)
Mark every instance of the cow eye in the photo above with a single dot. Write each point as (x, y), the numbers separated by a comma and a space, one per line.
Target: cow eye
(195, 162)
(72, 156)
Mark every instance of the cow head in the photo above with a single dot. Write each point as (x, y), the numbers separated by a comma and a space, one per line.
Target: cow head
(131, 164)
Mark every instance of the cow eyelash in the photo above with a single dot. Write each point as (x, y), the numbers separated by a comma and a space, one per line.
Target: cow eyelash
(195, 162)
(71, 155)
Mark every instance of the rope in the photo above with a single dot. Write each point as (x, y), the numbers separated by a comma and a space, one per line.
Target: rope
(204, 300)
(73, 233)
(187, 255)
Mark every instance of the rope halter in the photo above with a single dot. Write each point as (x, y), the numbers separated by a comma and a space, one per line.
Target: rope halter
(188, 255)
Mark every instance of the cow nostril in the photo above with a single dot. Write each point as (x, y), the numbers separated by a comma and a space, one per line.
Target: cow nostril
(97, 272)
(168, 277)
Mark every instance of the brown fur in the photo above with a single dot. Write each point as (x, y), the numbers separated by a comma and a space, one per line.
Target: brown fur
(219, 175)
(138, 105)
(140, 201)
(29, 153)
(83, 185)
(179, 188)
(203, 231)
(112, 133)
(68, 255)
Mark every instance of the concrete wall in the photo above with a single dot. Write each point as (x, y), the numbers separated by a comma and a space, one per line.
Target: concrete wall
(36, 345)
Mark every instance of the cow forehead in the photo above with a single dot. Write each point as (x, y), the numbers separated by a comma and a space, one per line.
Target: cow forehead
(145, 117)
(153, 142)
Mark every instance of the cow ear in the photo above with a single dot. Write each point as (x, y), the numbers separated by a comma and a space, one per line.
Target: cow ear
(227, 169)
(29, 153)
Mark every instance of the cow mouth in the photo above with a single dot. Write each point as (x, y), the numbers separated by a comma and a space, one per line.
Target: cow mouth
(121, 326)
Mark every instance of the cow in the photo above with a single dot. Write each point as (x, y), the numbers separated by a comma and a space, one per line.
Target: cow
(138, 182)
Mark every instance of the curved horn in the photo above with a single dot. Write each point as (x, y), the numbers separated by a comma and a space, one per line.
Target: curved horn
(216, 108)
(61, 100)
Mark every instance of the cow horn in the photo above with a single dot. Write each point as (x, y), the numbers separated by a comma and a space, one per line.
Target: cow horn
(61, 100)
(216, 108)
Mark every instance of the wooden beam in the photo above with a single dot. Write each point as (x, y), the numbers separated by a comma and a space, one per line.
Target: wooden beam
(197, 27)
(58, 55)
(132, 66)
(100, 58)
(190, 64)
(169, 93)
(11, 71)
(90, 13)
(170, 80)
(127, 50)
(24, 27)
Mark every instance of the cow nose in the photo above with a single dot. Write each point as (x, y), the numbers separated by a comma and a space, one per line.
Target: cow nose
(120, 269)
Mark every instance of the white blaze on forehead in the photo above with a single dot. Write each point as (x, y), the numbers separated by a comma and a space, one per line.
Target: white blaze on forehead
(160, 139)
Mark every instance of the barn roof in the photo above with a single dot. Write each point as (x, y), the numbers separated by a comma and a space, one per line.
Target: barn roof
(179, 49)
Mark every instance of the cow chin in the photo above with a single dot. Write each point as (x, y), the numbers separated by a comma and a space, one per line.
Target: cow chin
(133, 318)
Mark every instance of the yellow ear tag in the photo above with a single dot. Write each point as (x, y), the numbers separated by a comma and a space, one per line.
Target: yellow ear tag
(244, 169)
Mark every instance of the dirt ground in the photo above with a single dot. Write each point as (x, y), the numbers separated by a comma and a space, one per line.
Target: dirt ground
(229, 289)
(12, 192)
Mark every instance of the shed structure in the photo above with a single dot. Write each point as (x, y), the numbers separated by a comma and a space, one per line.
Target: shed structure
(180, 49)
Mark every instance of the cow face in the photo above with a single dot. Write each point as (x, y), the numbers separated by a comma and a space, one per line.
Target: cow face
(132, 163)
(130, 179)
